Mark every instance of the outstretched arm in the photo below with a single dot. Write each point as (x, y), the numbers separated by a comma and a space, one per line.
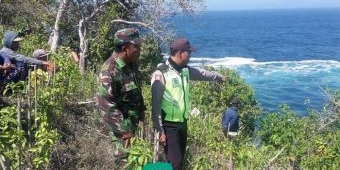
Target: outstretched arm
(204, 75)
(28, 60)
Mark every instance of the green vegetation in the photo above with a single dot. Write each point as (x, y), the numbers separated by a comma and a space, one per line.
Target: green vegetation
(67, 132)
(65, 88)
(284, 139)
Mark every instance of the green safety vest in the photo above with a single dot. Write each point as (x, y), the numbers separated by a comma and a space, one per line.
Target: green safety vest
(176, 98)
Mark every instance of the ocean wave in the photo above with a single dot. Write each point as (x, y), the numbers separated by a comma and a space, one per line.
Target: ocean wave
(237, 61)
(275, 66)
(226, 61)
(282, 82)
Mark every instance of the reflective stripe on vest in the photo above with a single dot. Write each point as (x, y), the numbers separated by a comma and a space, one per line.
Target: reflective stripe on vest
(175, 102)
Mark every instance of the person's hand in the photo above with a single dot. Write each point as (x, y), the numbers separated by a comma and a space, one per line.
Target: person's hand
(162, 139)
(75, 57)
(126, 137)
(49, 66)
(7, 66)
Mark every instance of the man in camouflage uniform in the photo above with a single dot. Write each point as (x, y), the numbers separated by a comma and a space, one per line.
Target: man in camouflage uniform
(119, 93)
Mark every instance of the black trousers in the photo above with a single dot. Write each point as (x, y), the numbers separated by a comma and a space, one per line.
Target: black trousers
(176, 141)
(20, 72)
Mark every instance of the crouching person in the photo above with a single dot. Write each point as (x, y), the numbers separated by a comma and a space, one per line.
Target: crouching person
(230, 119)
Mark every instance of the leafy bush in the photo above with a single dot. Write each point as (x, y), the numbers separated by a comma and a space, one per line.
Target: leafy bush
(140, 154)
(207, 146)
(11, 138)
(68, 132)
(149, 58)
(66, 87)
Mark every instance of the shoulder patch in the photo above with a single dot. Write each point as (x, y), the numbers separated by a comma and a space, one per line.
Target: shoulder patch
(157, 76)
(162, 67)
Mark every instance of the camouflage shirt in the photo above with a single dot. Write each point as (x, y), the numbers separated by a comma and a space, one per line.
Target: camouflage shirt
(119, 95)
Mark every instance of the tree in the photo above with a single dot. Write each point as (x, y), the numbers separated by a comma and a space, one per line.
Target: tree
(146, 14)
(55, 33)
(88, 14)
(152, 15)
(26, 14)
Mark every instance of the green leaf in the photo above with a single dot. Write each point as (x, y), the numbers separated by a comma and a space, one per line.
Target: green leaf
(141, 160)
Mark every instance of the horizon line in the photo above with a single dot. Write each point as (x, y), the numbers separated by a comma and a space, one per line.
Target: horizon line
(261, 9)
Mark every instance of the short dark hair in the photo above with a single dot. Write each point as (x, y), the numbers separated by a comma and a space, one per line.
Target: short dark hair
(118, 48)
(173, 52)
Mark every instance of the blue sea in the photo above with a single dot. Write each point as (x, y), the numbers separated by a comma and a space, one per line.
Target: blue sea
(287, 56)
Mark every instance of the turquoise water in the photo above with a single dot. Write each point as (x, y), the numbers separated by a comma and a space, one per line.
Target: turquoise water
(285, 55)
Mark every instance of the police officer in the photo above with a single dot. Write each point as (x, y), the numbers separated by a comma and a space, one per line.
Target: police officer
(171, 99)
(119, 92)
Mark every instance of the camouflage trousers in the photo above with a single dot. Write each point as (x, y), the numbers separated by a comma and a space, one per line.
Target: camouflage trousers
(118, 124)
(120, 152)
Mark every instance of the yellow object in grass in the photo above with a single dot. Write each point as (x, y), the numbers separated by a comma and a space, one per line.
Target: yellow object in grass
(42, 78)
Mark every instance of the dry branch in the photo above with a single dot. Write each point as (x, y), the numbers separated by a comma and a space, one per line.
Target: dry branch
(275, 157)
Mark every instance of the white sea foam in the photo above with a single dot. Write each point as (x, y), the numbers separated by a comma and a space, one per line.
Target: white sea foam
(277, 82)
(227, 61)
(275, 66)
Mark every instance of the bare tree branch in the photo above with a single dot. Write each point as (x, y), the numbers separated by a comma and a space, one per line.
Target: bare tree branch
(329, 97)
(275, 157)
(121, 4)
(333, 115)
(78, 5)
(4, 163)
(98, 9)
(325, 125)
(140, 24)
(149, 14)
(132, 23)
